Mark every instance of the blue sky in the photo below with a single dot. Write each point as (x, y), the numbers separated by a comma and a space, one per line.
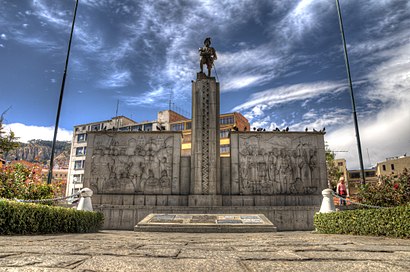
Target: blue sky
(280, 63)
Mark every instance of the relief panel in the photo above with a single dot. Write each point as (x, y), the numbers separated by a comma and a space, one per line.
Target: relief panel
(273, 163)
(139, 163)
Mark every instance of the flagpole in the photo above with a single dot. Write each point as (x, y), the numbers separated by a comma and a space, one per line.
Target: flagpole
(359, 146)
(60, 101)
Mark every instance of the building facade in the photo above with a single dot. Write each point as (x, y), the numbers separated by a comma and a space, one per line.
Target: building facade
(393, 166)
(355, 180)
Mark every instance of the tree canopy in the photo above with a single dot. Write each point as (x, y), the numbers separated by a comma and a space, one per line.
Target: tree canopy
(8, 141)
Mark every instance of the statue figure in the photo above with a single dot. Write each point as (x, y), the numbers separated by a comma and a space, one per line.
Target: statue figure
(208, 55)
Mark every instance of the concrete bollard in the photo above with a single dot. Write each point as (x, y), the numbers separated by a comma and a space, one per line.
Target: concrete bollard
(327, 202)
(85, 200)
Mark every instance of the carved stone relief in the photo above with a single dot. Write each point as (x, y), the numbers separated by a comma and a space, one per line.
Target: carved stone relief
(269, 166)
(138, 164)
(205, 139)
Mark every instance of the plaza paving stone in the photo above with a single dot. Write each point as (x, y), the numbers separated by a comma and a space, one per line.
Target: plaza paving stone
(140, 251)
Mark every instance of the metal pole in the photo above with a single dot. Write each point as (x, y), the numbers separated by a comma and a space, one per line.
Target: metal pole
(359, 146)
(60, 101)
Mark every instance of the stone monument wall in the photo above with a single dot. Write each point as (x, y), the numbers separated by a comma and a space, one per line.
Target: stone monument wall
(277, 163)
(133, 163)
(278, 174)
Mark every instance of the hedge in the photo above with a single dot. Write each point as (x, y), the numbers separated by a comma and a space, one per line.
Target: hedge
(28, 218)
(394, 222)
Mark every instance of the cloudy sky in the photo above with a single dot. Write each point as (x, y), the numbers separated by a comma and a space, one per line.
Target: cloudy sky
(280, 63)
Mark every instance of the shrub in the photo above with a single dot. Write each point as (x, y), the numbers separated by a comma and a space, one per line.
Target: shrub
(27, 218)
(393, 222)
(390, 191)
(24, 182)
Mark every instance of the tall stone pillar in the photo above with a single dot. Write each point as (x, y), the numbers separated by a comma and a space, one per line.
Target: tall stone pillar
(205, 161)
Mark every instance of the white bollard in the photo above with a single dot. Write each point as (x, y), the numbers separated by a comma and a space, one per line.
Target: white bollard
(327, 202)
(85, 200)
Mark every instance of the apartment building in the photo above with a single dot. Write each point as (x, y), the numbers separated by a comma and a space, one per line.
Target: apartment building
(393, 166)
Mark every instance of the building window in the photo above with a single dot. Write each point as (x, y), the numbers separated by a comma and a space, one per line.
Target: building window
(80, 151)
(392, 167)
(78, 178)
(186, 138)
(188, 125)
(124, 129)
(224, 133)
(225, 148)
(226, 120)
(354, 175)
(79, 164)
(384, 167)
(340, 164)
(81, 137)
(177, 127)
(95, 127)
(136, 128)
(148, 127)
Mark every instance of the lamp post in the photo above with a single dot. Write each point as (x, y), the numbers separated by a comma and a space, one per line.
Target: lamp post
(60, 101)
(359, 146)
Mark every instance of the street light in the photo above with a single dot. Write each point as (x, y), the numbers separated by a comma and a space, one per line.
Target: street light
(60, 101)
(359, 146)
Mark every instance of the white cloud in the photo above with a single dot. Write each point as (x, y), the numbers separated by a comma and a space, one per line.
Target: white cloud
(3, 36)
(27, 132)
(39, 42)
(304, 16)
(382, 136)
(47, 13)
(153, 97)
(255, 112)
(117, 79)
(286, 94)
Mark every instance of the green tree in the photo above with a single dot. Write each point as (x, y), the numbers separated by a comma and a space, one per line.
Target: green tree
(8, 141)
(26, 182)
(333, 172)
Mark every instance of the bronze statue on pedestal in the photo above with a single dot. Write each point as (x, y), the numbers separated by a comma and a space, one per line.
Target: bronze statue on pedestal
(208, 55)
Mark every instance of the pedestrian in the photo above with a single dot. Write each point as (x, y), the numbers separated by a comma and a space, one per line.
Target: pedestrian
(342, 191)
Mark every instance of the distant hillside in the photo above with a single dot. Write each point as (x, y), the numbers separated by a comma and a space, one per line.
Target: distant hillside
(40, 151)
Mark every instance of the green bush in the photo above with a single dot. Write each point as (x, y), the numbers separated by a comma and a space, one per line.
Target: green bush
(390, 191)
(393, 222)
(28, 218)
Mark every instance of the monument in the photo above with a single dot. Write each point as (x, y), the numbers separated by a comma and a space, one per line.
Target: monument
(205, 162)
(279, 175)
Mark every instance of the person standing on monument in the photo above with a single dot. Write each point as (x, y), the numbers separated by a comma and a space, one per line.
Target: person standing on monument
(208, 55)
(341, 191)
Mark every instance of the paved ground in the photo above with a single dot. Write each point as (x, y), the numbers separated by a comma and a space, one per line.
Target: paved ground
(131, 251)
